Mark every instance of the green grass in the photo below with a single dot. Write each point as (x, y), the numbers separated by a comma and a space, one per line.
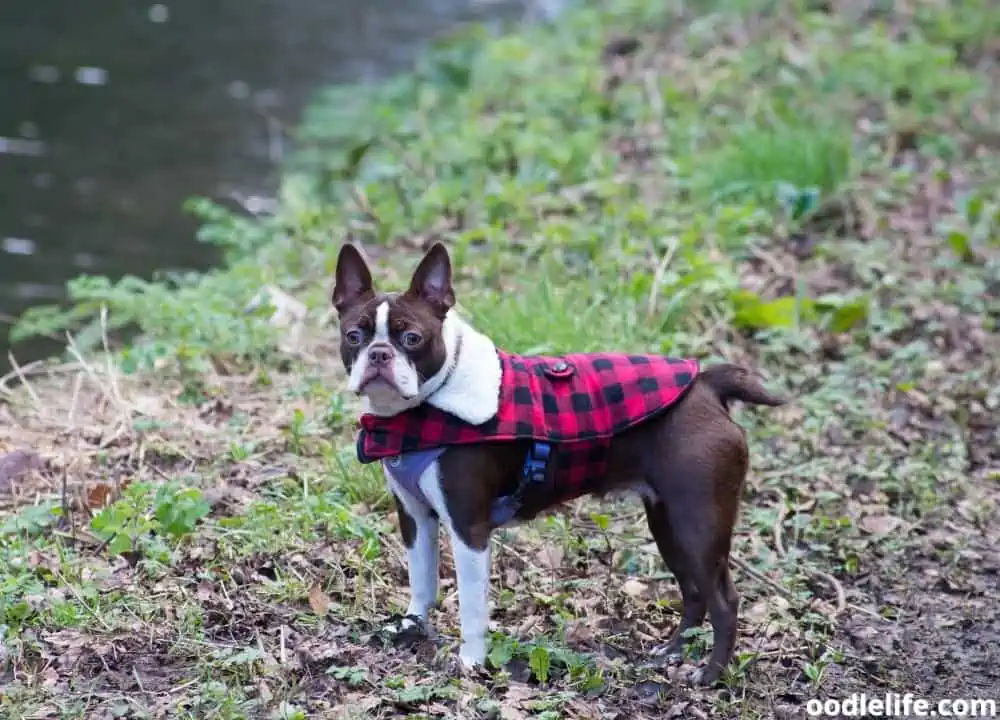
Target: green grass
(804, 187)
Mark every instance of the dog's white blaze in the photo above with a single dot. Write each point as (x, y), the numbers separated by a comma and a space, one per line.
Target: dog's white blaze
(422, 559)
(382, 322)
(383, 400)
(358, 370)
(381, 335)
(472, 568)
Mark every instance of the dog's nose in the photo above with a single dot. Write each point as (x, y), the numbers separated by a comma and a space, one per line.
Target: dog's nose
(379, 355)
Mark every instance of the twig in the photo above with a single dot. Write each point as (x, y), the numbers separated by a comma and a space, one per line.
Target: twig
(75, 351)
(100, 548)
(837, 588)
(16, 374)
(773, 262)
(77, 386)
(36, 367)
(112, 375)
(779, 545)
(138, 680)
(80, 538)
(90, 610)
(65, 506)
(661, 270)
(842, 603)
(24, 381)
(761, 577)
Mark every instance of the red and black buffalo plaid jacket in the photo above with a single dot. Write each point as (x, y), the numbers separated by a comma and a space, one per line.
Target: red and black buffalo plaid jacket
(576, 403)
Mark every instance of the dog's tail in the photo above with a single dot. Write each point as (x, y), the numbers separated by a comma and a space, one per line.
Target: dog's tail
(733, 382)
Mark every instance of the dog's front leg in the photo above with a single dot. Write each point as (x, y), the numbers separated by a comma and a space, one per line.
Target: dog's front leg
(419, 527)
(422, 563)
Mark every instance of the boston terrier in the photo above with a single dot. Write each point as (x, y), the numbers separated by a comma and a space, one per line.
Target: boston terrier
(475, 438)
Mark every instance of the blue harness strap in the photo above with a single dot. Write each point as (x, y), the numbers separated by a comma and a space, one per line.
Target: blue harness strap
(407, 468)
(534, 472)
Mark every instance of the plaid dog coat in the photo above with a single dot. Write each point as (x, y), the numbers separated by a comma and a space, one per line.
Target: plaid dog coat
(570, 406)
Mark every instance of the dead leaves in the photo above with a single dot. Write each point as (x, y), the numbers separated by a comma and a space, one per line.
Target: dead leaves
(634, 588)
(319, 601)
(880, 524)
(99, 495)
(550, 556)
(15, 465)
(516, 701)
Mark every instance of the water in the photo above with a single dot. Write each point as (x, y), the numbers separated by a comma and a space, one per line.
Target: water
(112, 113)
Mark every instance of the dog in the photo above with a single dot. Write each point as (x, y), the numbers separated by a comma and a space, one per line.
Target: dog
(475, 438)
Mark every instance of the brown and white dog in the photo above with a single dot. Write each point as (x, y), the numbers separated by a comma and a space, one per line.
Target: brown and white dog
(410, 352)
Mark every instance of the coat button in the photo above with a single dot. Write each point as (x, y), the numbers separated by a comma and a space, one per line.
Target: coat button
(559, 370)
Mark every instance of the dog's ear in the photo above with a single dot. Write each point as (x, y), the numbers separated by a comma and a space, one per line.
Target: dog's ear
(354, 279)
(431, 280)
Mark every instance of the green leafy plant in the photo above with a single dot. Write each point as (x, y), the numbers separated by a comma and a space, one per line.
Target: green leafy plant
(146, 515)
(542, 656)
(353, 676)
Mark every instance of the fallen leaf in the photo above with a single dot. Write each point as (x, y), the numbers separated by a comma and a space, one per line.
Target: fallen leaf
(633, 588)
(205, 591)
(758, 613)
(98, 495)
(319, 601)
(517, 696)
(526, 626)
(15, 464)
(550, 556)
(578, 633)
(678, 709)
(879, 524)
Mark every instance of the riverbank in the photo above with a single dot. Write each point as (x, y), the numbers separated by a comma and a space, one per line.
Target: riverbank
(810, 192)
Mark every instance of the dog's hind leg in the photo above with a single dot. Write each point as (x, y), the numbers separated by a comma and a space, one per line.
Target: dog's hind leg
(706, 544)
(700, 514)
(695, 606)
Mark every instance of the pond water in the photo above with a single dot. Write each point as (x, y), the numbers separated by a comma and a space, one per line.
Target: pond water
(112, 113)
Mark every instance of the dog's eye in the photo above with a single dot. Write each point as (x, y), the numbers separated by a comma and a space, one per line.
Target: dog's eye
(354, 337)
(411, 339)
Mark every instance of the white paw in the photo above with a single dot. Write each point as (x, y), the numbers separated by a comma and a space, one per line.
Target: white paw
(667, 655)
(408, 626)
(471, 657)
(704, 676)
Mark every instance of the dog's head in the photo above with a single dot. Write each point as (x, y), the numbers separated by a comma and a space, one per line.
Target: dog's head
(395, 346)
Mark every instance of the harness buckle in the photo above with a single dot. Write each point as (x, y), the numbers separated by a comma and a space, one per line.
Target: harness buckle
(534, 472)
